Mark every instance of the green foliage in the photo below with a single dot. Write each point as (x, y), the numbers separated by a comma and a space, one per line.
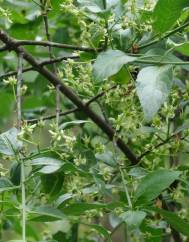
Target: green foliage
(109, 63)
(153, 86)
(153, 184)
(166, 13)
(102, 156)
(175, 221)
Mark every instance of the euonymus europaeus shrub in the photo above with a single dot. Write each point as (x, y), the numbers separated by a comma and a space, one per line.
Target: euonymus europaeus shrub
(94, 120)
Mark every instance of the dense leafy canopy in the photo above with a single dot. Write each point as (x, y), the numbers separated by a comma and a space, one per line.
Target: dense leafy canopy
(94, 117)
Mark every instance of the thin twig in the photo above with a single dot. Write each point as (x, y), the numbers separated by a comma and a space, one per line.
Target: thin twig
(18, 94)
(125, 188)
(58, 104)
(19, 124)
(151, 62)
(42, 63)
(72, 96)
(56, 45)
(106, 25)
(73, 110)
(159, 145)
(36, 3)
(174, 31)
(58, 97)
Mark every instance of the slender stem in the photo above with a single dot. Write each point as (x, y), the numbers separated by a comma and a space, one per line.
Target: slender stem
(73, 110)
(56, 45)
(174, 31)
(19, 124)
(23, 202)
(58, 104)
(75, 232)
(18, 94)
(106, 25)
(72, 96)
(125, 188)
(58, 97)
(59, 59)
(36, 3)
(151, 62)
(42, 63)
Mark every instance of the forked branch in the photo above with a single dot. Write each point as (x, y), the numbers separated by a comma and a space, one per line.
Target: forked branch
(106, 128)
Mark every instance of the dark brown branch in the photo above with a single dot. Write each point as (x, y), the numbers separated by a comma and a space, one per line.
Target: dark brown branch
(73, 110)
(53, 79)
(56, 45)
(42, 63)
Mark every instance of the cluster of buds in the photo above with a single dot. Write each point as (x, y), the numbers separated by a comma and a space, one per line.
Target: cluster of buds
(69, 76)
(10, 81)
(2, 170)
(93, 213)
(149, 4)
(26, 131)
(86, 139)
(69, 7)
(168, 110)
(5, 13)
(23, 90)
(80, 161)
(105, 171)
(118, 211)
(99, 148)
(75, 185)
(60, 137)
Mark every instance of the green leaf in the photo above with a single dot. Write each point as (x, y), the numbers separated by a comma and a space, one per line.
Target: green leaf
(50, 165)
(15, 173)
(153, 86)
(166, 13)
(109, 63)
(154, 233)
(123, 76)
(5, 184)
(153, 184)
(94, 6)
(73, 123)
(9, 143)
(133, 219)
(52, 183)
(77, 209)
(71, 168)
(175, 221)
(48, 240)
(137, 172)
(7, 101)
(15, 241)
(100, 229)
(183, 48)
(97, 6)
(46, 213)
